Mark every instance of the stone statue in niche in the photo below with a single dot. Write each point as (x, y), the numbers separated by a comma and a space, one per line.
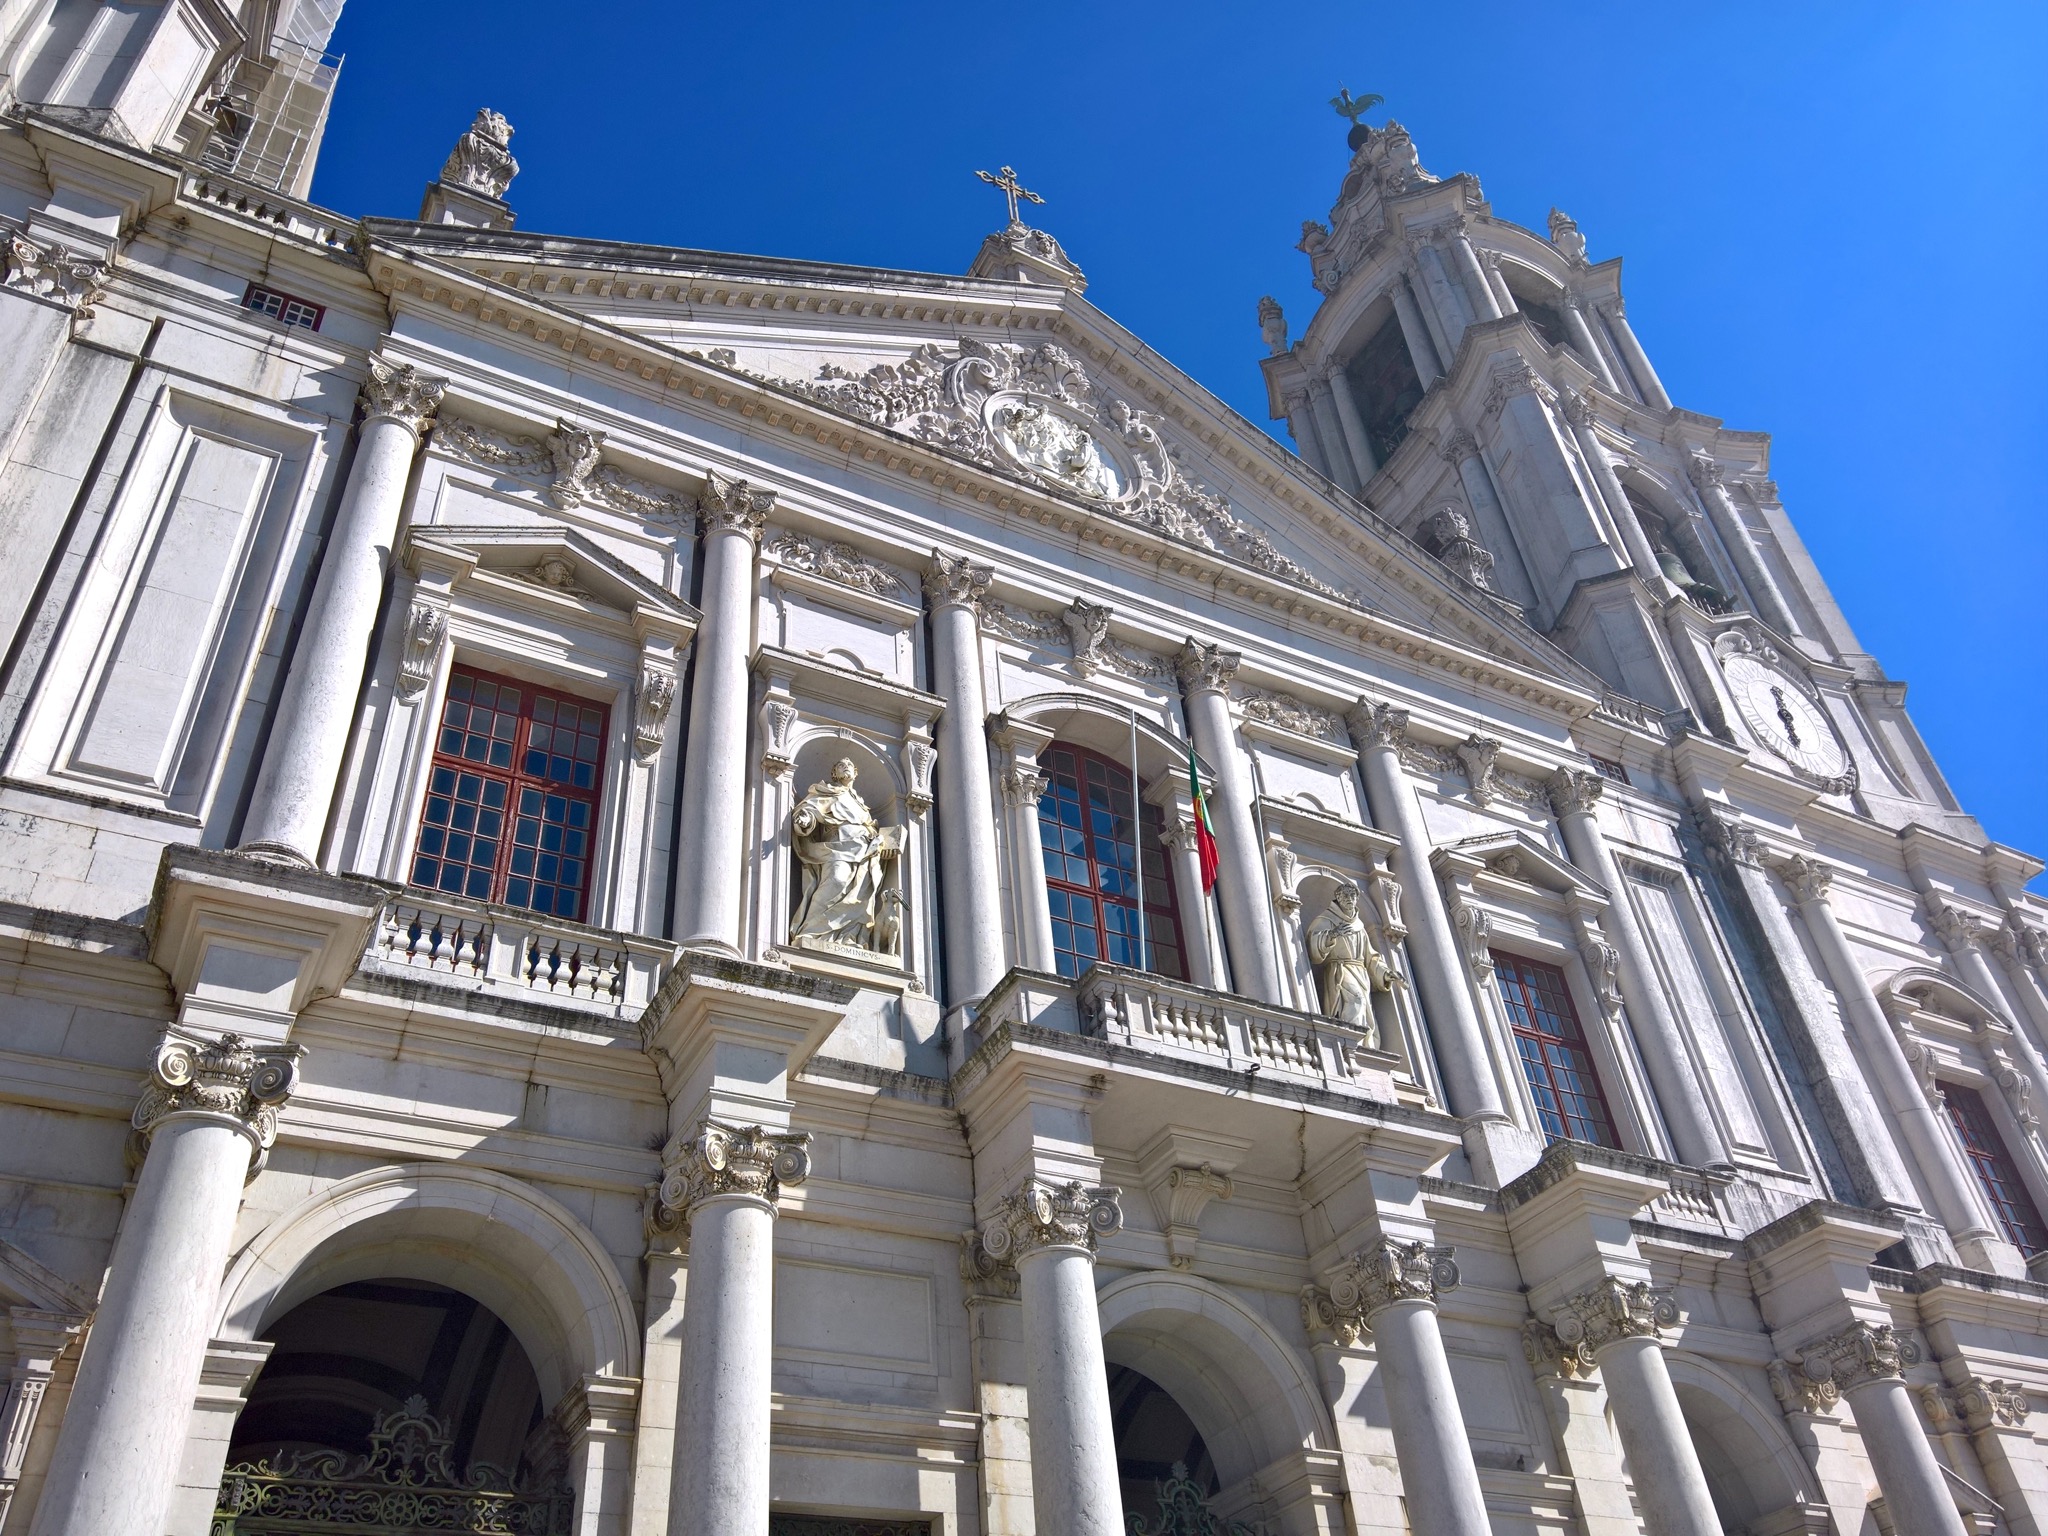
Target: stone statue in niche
(1349, 969)
(848, 901)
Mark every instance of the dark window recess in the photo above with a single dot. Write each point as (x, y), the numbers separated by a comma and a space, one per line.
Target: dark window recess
(1608, 768)
(1386, 386)
(1547, 320)
(1091, 868)
(827, 1525)
(512, 795)
(1555, 1061)
(1997, 1174)
(283, 308)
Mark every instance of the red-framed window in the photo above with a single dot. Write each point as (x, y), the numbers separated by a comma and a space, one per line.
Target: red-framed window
(1555, 1060)
(512, 795)
(284, 308)
(1092, 858)
(1997, 1174)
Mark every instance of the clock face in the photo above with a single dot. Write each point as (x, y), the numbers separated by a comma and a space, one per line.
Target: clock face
(1784, 719)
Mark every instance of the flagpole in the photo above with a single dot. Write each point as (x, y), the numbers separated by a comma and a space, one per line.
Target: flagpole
(1138, 839)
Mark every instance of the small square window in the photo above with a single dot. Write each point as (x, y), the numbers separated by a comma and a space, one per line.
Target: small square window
(284, 308)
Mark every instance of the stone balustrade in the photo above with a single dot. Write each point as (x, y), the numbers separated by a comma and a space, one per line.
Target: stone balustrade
(520, 952)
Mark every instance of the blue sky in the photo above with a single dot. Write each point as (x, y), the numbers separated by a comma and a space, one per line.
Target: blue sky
(1831, 216)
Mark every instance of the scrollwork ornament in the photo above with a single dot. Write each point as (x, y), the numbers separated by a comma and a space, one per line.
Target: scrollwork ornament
(1386, 1272)
(1040, 1215)
(1983, 1403)
(1859, 1354)
(728, 1160)
(191, 1074)
(651, 704)
(56, 273)
(1613, 1309)
(425, 625)
(1549, 1355)
(400, 392)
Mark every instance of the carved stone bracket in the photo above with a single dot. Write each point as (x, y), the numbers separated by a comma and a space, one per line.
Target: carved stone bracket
(1479, 754)
(571, 460)
(55, 273)
(1185, 1193)
(1611, 1310)
(400, 392)
(193, 1075)
(1040, 1215)
(1475, 933)
(778, 715)
(921, 757)
(722, 1160)
(426, 624)
(652, 700)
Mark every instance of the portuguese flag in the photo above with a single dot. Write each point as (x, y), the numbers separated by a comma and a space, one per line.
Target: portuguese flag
(1205, 835)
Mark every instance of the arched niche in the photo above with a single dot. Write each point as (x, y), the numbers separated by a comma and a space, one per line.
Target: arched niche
(1252, 1398)
(1752, 1467)
(494, 1238)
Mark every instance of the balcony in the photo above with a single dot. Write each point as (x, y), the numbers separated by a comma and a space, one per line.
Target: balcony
(1217, 1030)
(513, 954)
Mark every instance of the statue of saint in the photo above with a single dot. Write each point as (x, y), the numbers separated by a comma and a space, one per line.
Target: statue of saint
(1348, 968)
(845, 858)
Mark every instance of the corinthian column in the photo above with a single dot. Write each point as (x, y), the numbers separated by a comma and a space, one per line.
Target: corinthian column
(1330, 433)
(1865, 1363)
(1484, 303)
(1578, 410)
(1353, 425)
(1421, 347)
(710, 834)
(1647, 383)
(1696, 1138)
(1377, 731)
(1955, 1202)
(1614, 1326)
(1049, 1232)
(1205, 672)
(208, 1107)
(1391, 1290)
(1764, 592)
(1575, 321)
(723, 1186)
(954, 586)
(295, 788)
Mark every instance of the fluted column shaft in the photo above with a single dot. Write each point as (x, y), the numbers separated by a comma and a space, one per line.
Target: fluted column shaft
(1647, 383)
(1205, 675)
(710, 834)
(294, 794)
(1440, 974)
(1330, 434)
(209, 1106)
(723, 1186)
(1049, 1232)
(955, 586)
(1680, 1095)
(1421, 348)
(1764, 590)
(1955, 1202)
(1353, 424)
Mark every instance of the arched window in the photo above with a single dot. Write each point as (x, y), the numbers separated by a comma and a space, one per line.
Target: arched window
(1092, 867)
(1997, 1175)
(1555, 1061)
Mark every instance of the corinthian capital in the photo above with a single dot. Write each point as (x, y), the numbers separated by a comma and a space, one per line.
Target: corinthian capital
(400, 392)
(1070, 1215)
(1808, 878)
(954, 581)
(1376, 725)
(1612, 1310)
(1701, 470)
(743, 1160)
(1578, 410)
(55, 273)
(1728, 834)
(226, 1077)
(1205, 667)
(1458, 446)
(1860, 1353)
(1574, 792)
(732, 505)
(1374, 1278)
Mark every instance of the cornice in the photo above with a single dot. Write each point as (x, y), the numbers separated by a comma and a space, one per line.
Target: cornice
(408, 277)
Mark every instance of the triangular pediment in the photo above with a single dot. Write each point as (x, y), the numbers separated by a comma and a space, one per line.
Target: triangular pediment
(1028, 382)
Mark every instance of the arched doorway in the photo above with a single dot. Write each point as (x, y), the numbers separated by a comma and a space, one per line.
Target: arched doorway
(1156, 1443)
(1749, 1477)
(395, 1407)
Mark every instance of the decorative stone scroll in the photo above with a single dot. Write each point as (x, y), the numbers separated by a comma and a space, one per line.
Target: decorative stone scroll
(1549, 1355)
(571, 458)
(1372, 1280)
(1814, 1380)
(1070, 1215)
(652, 701)
(841, 563)
(425, 627)
(52, 272)
(1036, 412)
(1611, 1310)
(1288, 713)
(400, 392)
(194, 1075)
(1979, 1403)
(748, 1161)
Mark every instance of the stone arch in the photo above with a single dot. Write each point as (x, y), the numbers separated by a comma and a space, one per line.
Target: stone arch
(1089, 721)
(1253, 1398)
(519, 1252)
(1922, 989)
(815, 748)
(1752, 1466)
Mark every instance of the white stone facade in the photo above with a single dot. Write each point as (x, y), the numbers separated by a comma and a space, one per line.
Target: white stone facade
(897, 1231)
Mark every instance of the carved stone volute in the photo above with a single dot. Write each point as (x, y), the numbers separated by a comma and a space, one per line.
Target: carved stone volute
(400, 392)
(1040, 1215)
(227, 1077)
(1612, 1310)
(730, 1160)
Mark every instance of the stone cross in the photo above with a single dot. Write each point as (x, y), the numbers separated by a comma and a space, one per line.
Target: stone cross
(1006, 178)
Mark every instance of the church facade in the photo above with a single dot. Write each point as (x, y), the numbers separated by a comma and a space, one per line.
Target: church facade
(773, 896)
